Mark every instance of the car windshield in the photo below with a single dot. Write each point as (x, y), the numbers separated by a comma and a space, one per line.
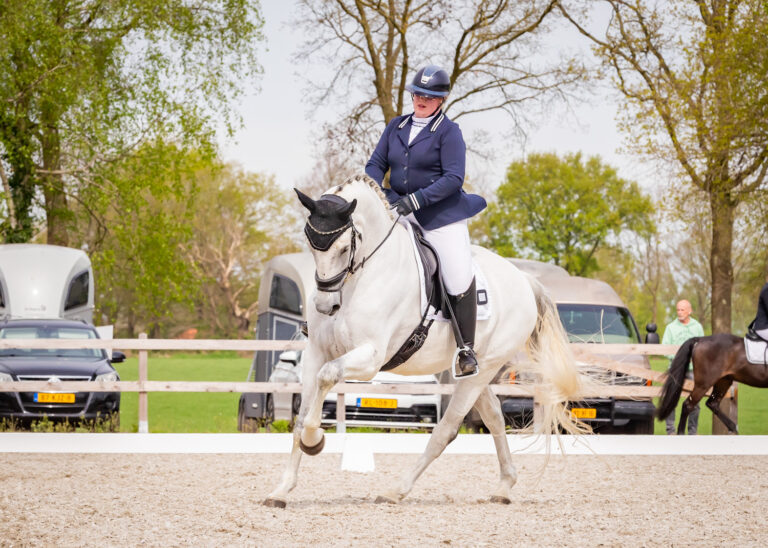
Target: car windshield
(588, 323)
(49, 332)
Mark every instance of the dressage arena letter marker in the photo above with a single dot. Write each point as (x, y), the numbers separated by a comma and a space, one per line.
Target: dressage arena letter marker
(357, 455)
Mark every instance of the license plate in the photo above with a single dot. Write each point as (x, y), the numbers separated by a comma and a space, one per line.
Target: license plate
(583, 413)
(54, 398)
(377, 402)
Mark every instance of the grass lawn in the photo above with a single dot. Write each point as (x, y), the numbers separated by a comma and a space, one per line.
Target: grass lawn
(185, 411)
(217, 412)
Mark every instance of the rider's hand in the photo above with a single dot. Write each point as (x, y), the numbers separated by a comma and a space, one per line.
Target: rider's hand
(407, 204)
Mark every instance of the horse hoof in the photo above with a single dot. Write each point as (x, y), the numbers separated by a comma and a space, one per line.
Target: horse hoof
(381, 499)
(500, 500)
(315, 449)
(274, 503)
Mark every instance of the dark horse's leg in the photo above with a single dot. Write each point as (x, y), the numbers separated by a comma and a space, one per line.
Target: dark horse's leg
(718, 392)
(686, 409)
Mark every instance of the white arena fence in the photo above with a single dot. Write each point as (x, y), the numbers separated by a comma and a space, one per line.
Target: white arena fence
(592, 354)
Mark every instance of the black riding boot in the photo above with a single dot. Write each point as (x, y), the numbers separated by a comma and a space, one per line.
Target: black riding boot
(465, 310)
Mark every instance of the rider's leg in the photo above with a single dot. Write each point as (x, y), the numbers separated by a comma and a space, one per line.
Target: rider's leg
(453, 247)
(464, 307)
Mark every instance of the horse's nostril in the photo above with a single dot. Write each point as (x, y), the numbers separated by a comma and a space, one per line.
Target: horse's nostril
(335, 308)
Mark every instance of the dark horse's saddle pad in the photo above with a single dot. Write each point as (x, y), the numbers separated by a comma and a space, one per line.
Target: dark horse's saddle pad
(757, 350)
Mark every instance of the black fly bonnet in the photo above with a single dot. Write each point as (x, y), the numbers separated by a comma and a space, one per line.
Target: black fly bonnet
(327, 222)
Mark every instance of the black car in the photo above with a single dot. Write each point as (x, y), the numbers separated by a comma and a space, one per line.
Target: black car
(28, 364)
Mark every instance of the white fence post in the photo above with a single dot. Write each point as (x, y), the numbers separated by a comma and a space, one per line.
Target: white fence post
(143, 398)
(341, 414)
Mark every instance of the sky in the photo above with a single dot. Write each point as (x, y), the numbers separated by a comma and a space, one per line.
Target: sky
(277, 133)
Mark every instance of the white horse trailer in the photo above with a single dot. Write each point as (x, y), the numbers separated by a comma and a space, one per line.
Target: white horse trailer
(45, 281)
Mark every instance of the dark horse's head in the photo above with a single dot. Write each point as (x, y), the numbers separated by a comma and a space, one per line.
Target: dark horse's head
(332, 238)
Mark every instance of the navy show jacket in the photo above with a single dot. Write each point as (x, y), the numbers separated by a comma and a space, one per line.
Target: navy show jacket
(761, 320)
(431, 168)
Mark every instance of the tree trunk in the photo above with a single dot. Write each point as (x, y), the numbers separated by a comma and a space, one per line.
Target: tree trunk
(56, 211)
(720, 263)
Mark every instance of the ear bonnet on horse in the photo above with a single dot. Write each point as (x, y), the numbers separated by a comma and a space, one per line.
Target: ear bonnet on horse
(329, 217)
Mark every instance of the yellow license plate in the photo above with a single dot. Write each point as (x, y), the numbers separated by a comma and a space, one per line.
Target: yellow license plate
(583, 413)
(377, 402)
(54, 398)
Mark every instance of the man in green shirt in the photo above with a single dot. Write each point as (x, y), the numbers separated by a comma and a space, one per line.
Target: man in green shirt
(677, 332)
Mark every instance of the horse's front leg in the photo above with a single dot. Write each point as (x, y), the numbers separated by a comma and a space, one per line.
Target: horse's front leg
(278, 497)
(359, 363)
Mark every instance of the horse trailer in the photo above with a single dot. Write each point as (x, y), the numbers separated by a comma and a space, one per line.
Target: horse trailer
(45, 281)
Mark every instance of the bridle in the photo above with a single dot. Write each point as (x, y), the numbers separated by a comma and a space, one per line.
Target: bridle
(335, 283)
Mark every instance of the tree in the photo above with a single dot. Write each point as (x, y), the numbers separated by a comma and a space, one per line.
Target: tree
(693, 78)
(565, 210)
(137, 243)
(488, 48)
(84, 83)
(241, 220)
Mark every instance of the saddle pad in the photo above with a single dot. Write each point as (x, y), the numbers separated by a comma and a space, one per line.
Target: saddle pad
(484, 303)
(757, 351)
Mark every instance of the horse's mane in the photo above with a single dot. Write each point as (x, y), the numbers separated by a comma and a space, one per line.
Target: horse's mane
(362, 178)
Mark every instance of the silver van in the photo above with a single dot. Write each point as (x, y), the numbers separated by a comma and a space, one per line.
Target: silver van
(591, 312)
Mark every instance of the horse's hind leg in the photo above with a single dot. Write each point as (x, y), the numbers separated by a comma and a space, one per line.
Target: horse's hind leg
(713, 402)
(489, 407)
(464, 396)
(689, 405)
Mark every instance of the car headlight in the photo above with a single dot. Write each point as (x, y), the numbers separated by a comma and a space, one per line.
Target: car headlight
(108, 377)
(5, 377)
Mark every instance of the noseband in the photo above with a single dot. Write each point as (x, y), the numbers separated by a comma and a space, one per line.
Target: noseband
(335, 283)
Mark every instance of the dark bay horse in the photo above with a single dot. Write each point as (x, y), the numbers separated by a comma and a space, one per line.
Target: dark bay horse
(717, 360)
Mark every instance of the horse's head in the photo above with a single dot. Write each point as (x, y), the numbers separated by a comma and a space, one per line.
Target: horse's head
(332, 238)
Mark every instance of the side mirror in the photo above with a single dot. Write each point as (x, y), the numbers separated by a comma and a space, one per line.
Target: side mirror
(117, 357)
(290, 356)
(651, 337)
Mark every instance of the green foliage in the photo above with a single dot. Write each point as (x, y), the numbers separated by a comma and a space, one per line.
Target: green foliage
(85, 83)
(565, 210)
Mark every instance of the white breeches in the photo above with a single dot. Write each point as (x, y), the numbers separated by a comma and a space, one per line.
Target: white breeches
(452, 245)
(763, 333)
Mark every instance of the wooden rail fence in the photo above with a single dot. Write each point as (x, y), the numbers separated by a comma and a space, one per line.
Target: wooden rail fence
(593, 354)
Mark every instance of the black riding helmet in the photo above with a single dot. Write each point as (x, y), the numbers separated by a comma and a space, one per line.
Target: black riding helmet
(430, 80)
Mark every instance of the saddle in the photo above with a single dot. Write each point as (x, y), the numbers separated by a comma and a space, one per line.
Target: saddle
(435, 295)
(756, 347)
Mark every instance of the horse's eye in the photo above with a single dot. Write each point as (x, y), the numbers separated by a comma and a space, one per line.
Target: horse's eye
(344, 249)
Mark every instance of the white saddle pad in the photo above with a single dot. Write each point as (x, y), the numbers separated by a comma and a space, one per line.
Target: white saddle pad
(483, 309)
(757, 351)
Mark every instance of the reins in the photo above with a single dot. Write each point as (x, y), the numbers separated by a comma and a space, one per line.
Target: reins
(335, 283)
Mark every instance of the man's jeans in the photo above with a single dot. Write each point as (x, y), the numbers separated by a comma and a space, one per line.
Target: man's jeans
(693, 421)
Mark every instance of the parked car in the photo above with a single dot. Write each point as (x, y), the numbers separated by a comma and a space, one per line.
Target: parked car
(286, 283)
(28, 364)
(591, 312)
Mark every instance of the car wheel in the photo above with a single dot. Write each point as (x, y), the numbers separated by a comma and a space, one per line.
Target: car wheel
(641, 426)
(246, 424)
(295, 408)
(269, 412)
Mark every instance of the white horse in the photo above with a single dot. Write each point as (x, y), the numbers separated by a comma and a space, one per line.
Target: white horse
(367, 305)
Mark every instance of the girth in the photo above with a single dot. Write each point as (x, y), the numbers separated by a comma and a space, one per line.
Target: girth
(434, 289)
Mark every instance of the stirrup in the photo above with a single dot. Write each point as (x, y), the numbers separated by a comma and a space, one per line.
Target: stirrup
(455, 363)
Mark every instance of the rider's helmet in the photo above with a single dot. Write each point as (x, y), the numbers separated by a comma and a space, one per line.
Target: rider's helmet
(432, 81)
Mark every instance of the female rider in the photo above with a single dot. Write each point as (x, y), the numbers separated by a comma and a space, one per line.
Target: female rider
(424, 153)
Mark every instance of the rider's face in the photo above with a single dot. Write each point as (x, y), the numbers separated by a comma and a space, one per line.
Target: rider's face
(425, 106)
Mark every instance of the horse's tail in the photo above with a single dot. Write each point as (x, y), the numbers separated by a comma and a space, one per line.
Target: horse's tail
(673, 386)
(561, 381)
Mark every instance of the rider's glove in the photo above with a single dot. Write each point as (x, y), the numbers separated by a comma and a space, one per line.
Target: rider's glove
(408, 204)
